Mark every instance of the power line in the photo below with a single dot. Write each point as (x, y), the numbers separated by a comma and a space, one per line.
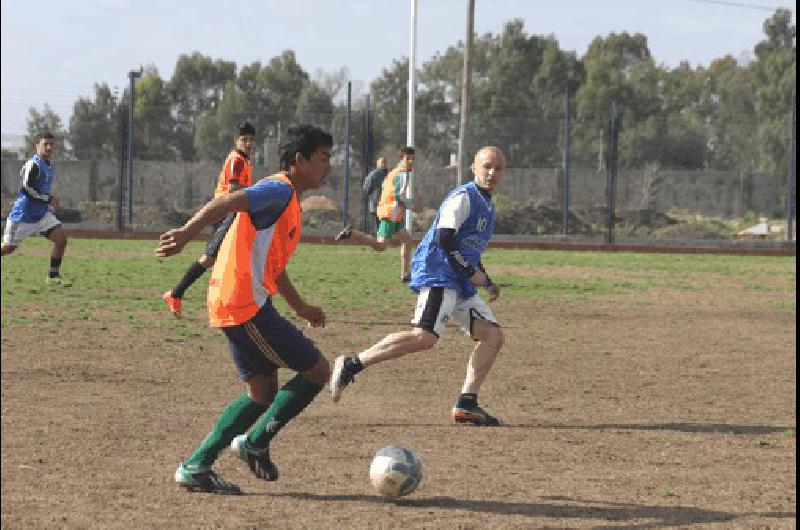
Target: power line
(740, 4)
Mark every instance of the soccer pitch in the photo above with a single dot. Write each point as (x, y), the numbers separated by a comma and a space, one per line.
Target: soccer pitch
(639, 390)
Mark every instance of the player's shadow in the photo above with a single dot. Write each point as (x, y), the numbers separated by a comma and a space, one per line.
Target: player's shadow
(569, 508)
(711, 428)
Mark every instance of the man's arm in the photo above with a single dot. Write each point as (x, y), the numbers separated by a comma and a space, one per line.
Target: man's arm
(173, 241)
(314, 315)
(493, 288)
(30, 174)
(446, 238)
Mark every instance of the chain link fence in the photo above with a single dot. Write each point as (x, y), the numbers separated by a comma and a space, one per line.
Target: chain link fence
(662, 179)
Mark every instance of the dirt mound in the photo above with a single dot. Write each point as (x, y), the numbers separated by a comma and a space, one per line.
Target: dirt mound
(536, 219)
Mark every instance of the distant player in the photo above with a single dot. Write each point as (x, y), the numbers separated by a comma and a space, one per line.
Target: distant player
(392, 207)
(445, 272)
(250, 269)
(32, 212)
(236, 172)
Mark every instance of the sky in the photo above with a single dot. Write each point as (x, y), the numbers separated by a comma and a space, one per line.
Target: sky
(54, 51)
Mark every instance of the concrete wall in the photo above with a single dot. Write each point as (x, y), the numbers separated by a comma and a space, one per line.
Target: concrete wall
(186, 186)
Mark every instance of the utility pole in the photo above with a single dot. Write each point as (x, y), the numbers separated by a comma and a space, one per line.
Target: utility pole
(133, 75)
(790, 165)
(567, 127)
(466, 77)
(412, 98)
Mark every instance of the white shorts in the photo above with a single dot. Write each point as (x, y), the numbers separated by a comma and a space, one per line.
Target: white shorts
(438, 305)
(17, 231)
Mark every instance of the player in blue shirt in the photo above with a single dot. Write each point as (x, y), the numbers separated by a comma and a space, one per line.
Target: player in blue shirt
(32, 212)
(446, 271)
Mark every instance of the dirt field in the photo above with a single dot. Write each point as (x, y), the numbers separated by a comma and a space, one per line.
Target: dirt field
(668, 408)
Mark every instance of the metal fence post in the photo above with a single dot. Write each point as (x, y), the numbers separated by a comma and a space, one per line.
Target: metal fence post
(123, 155)
(567, 126)
(133, 75)
(367, 162)
(346, 187)
(612, 172)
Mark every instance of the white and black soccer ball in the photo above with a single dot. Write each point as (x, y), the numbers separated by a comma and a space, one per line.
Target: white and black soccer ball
(395, 471)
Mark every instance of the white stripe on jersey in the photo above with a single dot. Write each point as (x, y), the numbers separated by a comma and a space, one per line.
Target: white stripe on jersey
(258, 262)
(454, 211)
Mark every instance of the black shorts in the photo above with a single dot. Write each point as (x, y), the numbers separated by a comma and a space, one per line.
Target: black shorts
(269, 341)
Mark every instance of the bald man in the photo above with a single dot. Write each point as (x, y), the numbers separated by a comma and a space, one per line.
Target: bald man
(446, 272)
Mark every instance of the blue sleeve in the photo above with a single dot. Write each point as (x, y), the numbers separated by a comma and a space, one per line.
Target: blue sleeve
(268, 196)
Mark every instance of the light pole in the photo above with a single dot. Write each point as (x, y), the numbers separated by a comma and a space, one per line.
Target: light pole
(412, 96)
(133, 75)
(466, 78)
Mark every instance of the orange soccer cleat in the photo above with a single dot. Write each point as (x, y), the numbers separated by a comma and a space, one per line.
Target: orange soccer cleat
(173, 303)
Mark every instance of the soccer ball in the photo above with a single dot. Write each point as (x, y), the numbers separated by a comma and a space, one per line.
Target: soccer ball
(395, 471)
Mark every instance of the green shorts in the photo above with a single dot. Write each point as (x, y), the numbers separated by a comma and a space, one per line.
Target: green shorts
(387, 228)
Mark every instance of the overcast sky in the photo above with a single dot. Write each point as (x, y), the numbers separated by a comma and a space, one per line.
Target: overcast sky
(54, 51)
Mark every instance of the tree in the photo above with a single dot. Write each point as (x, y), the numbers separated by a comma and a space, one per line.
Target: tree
(93, 126)
(217, 129)
(517, 97)
(733, 121)
(775, 79)
(45, 121)
(612, 74)
(272, 91)
(333, 83)
(389, 99)
(196, 87)
(314, 106)
(153, 122)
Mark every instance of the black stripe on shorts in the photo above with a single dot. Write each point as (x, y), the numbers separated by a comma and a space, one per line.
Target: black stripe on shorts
(433, 305)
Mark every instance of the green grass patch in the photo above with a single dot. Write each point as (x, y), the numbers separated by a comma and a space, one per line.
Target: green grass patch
(122, 281)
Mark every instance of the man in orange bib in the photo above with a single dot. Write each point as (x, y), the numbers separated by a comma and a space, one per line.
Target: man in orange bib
(391, 212)
(236, 172)
(251, 267)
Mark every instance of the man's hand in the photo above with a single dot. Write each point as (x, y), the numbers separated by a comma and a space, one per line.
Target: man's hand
(54, 202)
(494, 292)
(315, 315)
(478, 279)
(171, 242)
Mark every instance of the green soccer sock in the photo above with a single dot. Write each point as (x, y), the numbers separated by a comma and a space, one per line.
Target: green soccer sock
(290, 401)
(237, 417)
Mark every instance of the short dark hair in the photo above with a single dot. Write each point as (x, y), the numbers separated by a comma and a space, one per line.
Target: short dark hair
(47, 135)
(303, 139)
(407, 150)
(244, 128)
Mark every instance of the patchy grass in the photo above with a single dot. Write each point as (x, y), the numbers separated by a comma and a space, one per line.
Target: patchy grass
(117, 280)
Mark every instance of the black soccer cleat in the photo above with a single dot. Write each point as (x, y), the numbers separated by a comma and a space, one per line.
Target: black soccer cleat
(257, 459)
(474, 415)
(341, 376)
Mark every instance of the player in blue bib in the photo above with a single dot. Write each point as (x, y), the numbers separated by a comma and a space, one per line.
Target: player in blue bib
(32, 212)
(446, 271)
